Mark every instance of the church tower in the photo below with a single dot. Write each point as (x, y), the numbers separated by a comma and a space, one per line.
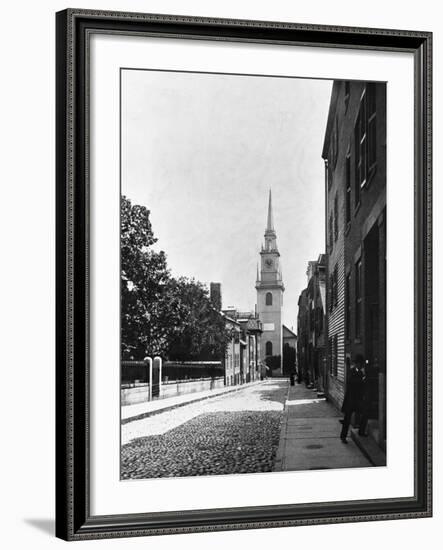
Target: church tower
(270, 290)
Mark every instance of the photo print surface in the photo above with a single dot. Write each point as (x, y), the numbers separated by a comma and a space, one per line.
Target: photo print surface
(253, 274)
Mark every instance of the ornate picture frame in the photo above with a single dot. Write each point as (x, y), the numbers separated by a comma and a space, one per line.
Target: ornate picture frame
(74, 520)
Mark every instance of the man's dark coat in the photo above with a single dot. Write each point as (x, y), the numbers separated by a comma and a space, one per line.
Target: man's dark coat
(355, 390)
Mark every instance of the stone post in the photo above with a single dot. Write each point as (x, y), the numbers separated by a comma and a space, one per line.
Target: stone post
(158, 361)
(148, 362)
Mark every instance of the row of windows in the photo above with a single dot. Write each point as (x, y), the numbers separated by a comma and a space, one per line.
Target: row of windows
(364, 158)
(358, 294)
(357, 301)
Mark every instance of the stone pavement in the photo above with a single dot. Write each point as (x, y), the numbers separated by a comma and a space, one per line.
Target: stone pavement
(235, 432)
(139, 411)
(310, 435)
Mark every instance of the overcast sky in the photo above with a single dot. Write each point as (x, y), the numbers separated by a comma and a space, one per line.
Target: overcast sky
(201, 152)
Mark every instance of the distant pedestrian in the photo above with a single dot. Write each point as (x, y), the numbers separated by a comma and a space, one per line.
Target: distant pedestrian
(299, 376)
(355, 389)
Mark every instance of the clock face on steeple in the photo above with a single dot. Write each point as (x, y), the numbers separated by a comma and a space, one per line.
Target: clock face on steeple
(269, 262)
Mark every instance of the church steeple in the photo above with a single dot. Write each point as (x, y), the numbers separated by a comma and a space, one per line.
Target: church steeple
(270, 235)
(270, 223)
(270, 289)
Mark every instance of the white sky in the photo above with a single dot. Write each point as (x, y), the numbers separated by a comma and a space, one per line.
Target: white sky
(201, 151)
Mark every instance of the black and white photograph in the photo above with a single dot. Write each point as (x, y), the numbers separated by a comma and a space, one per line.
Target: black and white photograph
(253, 274)
(220, 231)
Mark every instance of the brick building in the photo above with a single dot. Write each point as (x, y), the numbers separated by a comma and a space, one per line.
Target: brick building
(317, 326)
(335, 245)
(312, 325)
(303, 336)
(289, 351)
(231, 360)
(355, 166)
(242, 360)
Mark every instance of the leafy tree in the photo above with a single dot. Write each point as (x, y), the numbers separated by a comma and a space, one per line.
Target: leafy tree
(161, 315)
(144, 275)
(198, 329)
(274, 363)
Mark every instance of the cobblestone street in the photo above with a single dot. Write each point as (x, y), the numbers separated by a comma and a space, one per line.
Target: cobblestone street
(235, 433)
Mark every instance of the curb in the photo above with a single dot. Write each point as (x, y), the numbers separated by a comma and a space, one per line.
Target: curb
(279, 457)
(147, 414)
(369, 448)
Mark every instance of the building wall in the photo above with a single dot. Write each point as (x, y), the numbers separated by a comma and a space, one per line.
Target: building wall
(229, 364)
(290, 340)
(271, 316)
(242, 356)
(370, 213)
(302, 336)
(336, 380)
(361, 226)
(140, 394)
(367, 229)
(311, 324)
(336, 328)
(316, 296)
(232, 354)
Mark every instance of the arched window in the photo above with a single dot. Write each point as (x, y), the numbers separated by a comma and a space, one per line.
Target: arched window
(268, 348)
(269, 298)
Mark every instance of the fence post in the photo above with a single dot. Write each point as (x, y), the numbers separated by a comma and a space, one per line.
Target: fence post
(148, 362)
(159, 359)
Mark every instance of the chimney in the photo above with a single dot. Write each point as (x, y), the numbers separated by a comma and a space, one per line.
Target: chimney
(215, 295)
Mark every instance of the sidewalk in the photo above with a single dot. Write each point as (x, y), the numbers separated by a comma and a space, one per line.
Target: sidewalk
(139, 411)
(310, 435)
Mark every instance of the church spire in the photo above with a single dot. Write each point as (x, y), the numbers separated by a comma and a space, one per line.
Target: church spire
(270, 235)
(270, 224)
(270, 288)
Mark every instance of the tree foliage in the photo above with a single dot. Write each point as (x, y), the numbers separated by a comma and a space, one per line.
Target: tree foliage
(198, 330)
(162, 315)
(274, 363)
(144, 276)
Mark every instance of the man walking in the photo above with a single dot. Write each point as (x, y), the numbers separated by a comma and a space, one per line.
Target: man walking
(354, 393)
